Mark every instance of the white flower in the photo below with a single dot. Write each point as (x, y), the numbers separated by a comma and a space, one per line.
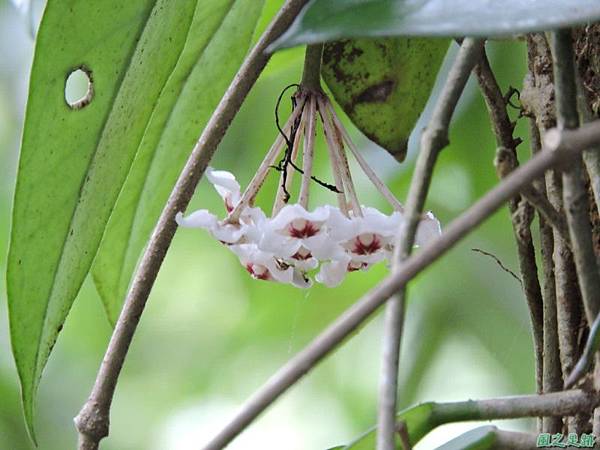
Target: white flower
(429, 228)
(299, 236)
(226, 185)
(371, 234)
(332, 273)
(249, 227)
(246, 230)
(265, 266)
(296, 241)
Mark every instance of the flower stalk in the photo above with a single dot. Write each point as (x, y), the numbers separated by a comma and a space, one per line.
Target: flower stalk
(311, 75)
(308, 152)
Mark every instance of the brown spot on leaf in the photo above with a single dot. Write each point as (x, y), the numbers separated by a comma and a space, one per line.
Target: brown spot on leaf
(378, 93)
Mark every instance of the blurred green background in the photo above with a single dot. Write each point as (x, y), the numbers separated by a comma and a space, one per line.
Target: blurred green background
(211, 335)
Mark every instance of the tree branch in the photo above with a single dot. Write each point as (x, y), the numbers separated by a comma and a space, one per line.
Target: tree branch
(92, 422)
(433, 415)
(560, 145)
(538, 99)
(555, 404)
(433, 140)
(521, 212)
(574, 192)
(552, 370)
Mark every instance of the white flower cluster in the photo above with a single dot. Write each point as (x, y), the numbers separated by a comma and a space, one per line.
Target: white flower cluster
(295, 243)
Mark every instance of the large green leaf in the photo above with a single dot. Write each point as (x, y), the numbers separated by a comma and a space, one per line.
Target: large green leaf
(74, 162)
(327, 20)
(219, 38)
(383, 84)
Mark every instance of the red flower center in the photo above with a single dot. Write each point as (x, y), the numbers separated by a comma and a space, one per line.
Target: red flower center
(258, 271)
(301, 228)
(366, 243)
(302, 254)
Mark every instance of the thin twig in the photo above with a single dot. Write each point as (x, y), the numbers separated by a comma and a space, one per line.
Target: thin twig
(500, 263)
(496, 104)
(552, 371)
(549, 373)
(574, 192)
(433, 140)
(555, 404)
(538, 99)
(560, 145)
(506, 162)
(587, 358)
(92, 422)
(521, 213)
(591, 157)
(402, 431)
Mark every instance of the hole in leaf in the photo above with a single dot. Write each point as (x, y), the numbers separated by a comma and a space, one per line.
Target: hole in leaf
(79, 88)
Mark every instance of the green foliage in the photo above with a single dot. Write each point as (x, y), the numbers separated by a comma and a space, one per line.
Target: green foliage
(481, 438)
(218, 39)
(418, 420)
(141, 57)
(328, 20)
(383, 84)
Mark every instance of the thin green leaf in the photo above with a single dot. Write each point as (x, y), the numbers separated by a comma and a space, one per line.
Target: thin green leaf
(419, 421)
(74, 161)
(482, 438)
(383, 84)
(218, 40)
(328, 20)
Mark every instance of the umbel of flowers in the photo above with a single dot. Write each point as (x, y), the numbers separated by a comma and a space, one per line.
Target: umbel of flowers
(296, 244)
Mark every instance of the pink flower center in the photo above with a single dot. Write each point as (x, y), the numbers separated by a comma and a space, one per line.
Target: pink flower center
(258, 271)
(302, 254)
(365, 244)
(302, 228)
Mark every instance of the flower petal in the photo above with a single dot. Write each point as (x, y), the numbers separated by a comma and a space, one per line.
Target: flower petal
(223, 181)
(333, 273)
(198, 219)
(323, 247)
(282, 246)
(226, 185)
(429, 228)
(289, 213)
